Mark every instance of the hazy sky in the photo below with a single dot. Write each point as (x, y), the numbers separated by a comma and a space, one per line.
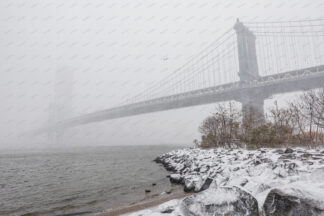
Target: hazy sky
(114, 50)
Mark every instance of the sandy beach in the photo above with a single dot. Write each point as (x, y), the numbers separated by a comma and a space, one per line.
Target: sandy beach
(143, 205)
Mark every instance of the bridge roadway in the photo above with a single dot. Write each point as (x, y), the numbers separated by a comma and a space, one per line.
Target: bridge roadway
(263, 87)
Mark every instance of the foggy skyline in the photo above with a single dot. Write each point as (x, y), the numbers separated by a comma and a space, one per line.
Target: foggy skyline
(115, 49)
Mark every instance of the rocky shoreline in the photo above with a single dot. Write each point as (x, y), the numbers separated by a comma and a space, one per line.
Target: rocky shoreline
(267, 182)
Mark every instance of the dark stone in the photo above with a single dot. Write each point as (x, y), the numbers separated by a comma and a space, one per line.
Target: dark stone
(162, 160)
(266, 160)
(250, 155)
(197, 169)
(289, 150)
(279, 203)
(257, 162)
(168, 191)
(167, 211)
(307, 155)
(153, 184)
(147, 191)
(287, 157)
(189, 188)
(244, 182)
(176, 179)
(292, 166)
(206, 184)
(309, 162)
(158, 160)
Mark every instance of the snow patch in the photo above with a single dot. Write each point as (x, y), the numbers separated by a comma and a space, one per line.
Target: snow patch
(298, 172)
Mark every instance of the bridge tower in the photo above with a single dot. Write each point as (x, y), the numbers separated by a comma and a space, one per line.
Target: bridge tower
(251, 101)
(61, 108)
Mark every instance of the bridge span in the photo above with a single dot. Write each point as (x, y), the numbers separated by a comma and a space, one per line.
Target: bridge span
(285, 69)
(249, 93)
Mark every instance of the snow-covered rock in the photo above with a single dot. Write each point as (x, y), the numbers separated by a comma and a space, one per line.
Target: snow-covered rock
(176, 178)
(291, 202)
(282, 181)
(220, 201)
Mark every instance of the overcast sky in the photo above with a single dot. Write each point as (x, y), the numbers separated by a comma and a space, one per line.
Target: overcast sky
(113, 49)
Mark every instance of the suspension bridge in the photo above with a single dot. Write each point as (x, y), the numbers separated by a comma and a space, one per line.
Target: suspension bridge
(248, 63)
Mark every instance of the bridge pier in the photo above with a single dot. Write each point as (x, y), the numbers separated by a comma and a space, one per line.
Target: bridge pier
(253, 108)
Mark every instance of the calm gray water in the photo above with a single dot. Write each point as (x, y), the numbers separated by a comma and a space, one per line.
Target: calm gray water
(55, 182)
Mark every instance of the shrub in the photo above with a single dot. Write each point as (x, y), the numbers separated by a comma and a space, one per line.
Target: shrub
(301, 123)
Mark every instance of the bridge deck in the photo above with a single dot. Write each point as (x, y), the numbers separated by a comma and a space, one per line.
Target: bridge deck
(303, 79)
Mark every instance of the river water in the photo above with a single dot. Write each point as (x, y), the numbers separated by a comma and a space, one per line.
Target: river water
(62, 181)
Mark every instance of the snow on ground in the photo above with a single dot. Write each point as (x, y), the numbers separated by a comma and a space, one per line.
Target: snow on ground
(277, 179)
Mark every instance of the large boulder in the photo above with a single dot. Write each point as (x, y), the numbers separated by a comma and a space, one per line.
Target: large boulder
(279, 202)
(231, 201)
(176, 178)
(196, 183)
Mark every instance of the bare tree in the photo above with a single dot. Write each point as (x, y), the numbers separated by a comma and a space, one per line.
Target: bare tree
(282, 124)
(319, 109)
(301, 123)
(221, 128)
